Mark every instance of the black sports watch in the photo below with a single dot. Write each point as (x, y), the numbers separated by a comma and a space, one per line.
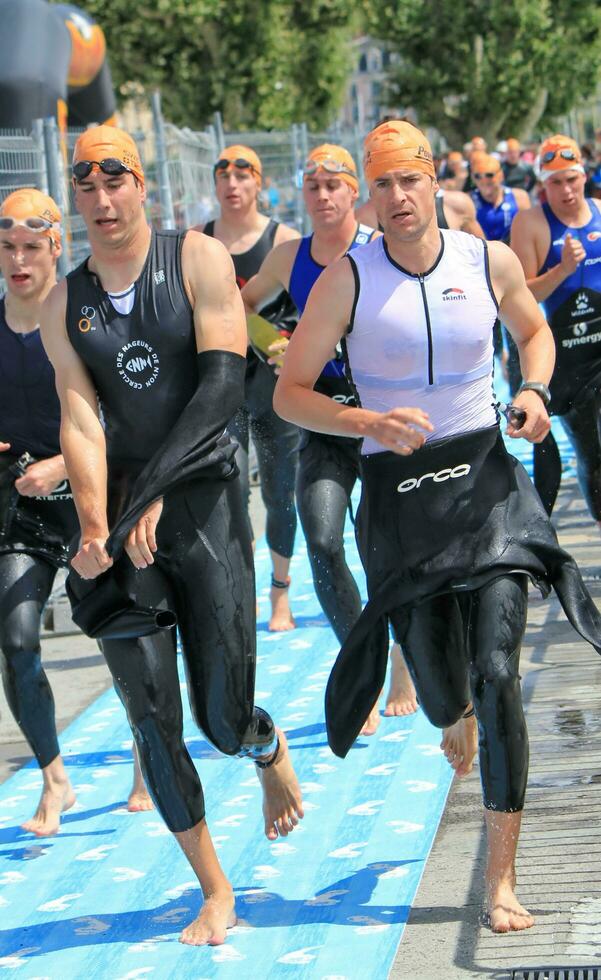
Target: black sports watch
(541, 390)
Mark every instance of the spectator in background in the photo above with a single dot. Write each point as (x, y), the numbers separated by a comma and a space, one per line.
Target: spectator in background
(517, 172)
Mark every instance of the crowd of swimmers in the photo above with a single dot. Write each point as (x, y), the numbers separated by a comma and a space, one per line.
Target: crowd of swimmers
(363, 351)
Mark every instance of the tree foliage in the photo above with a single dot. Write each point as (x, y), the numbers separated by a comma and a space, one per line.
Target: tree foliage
(491, 67)
(261, 64)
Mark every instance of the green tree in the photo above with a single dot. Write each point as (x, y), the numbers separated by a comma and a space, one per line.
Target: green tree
(491, 67)
(261, 64)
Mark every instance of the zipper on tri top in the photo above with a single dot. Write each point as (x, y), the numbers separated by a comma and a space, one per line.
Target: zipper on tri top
(429, 329)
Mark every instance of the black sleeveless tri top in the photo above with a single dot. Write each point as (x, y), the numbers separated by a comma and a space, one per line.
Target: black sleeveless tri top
(142, 364)
(248, 263)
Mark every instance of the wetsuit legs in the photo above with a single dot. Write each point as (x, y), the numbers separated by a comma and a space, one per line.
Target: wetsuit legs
(545, 455)
(547, 471)
(326, 476)
(466, 646)
(25, 585)
(204, 570)
(582, 426)
(276, 443)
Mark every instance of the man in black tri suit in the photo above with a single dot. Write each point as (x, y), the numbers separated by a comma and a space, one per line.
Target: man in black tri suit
(248, 237)
(37, 516)
(151, 325)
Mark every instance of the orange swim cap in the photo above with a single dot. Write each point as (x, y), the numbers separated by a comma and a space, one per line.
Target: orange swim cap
(240, 152)
(396, 145)
(28, 202)
(455, 156)
(484, 163)
(332, 159)
(103, 142)
(559, 153)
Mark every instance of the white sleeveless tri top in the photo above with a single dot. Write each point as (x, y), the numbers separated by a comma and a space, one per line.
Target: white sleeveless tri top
(425, 341)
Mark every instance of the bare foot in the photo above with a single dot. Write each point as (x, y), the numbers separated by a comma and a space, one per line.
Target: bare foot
(460, 744)
(402, 699)
(55, 799)
(216, 916)
(139, 798)
(281, 617)
(372, 721)
(505, 913)
(282, 800)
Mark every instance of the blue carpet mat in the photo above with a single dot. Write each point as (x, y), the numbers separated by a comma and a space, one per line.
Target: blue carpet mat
(109, 895)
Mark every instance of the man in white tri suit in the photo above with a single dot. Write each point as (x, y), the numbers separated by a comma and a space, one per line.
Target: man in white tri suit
(444, 511)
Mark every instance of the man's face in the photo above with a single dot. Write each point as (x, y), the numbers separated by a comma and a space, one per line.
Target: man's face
(513, 155)
(404, 203)
(565, 189)
(111, 206)
(328, 199)
(236, 189)
(478, 145)
(488, 183)
(27, 262)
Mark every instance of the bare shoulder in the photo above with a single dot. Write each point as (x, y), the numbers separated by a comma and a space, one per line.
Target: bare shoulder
(530, 220)
(522, 199)
(285, 233)
(198, 246)
(505, 267)
(54, 312)
(459, 202)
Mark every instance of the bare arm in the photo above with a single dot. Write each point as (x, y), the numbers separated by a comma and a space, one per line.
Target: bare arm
(82, 436)
(522, 316)
(522, 199)
(208, 270)
(530, 240)
(272, 277)
(323, 323)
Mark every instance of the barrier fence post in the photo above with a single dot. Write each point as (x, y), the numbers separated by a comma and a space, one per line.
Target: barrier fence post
(164, 186)
(56, 187)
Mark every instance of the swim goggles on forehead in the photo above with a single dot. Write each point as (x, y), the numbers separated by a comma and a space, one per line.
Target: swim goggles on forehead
(329, 164)
(564, 154)
(112, 167)
(240, 163)
(32, 224)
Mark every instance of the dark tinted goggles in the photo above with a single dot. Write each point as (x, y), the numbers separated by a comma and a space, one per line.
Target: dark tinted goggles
(112, 167)
(240, 163)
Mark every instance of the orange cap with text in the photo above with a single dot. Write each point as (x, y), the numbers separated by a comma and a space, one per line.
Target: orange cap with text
(564, 154)
(240, 152)
(328, 157)
(396, 145)
(102, 142)
(27, 202)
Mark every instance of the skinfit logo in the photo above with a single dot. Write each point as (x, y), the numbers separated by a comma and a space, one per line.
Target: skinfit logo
(451, 473)
(138, 364)
(594, 236)
(452, 294)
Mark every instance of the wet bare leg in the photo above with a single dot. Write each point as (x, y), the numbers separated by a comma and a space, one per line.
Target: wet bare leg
(139, 797)
(401, 699)
(57, 796)
(217, 914)
(505, 913)
(372, 721)
(460, 744)
(281, 617)
(282, 799)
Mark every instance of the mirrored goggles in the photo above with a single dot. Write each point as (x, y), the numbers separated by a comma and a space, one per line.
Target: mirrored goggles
(566, 154)
(329, 164)
(112, 167)
(32, 224)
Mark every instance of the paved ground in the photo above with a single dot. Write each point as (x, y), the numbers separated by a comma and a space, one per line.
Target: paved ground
(559, 865)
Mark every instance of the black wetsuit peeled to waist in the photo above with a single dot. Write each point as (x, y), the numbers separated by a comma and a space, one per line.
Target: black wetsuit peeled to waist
(152, 387)
(34, 532)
